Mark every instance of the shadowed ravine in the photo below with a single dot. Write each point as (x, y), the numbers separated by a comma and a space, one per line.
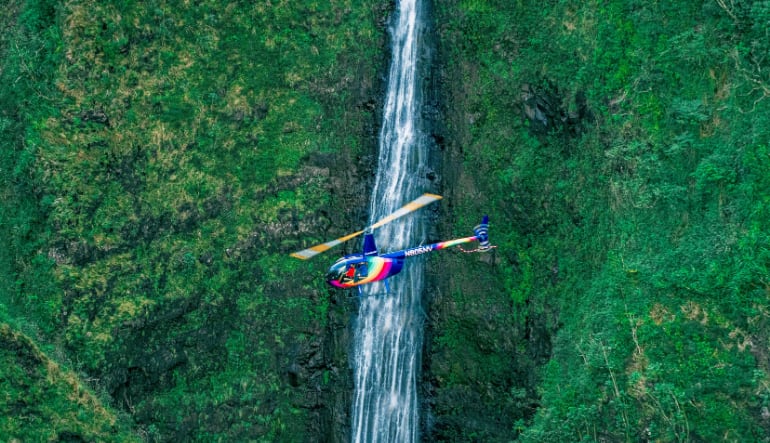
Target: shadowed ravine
(388, 332)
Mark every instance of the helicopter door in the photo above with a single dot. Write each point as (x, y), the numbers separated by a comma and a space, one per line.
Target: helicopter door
(355, 272)
(362, 271)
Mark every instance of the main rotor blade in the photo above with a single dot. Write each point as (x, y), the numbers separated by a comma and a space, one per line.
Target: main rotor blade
(415, 204)
(317, 249)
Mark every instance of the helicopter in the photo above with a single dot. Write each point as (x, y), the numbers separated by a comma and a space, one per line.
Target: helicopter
(370, 266)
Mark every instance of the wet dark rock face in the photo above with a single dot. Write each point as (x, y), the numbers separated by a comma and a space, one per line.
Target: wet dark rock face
(326, 377)
(482, 352)
(318, 369)
(481, 358)
(544, 108)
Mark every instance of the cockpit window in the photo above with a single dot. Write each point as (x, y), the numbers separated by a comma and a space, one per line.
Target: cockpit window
(334, 274)
(352, 271)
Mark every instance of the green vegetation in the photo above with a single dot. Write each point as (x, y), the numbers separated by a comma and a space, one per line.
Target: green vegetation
(622, 152)
(43, 402)
(162, 158)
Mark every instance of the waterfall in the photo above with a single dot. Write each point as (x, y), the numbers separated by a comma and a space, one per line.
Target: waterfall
(389, 328)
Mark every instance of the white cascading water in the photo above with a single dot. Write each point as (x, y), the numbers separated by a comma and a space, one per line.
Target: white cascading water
(389, 328)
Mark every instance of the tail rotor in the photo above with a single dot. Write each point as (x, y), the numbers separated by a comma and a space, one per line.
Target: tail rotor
(482, 232)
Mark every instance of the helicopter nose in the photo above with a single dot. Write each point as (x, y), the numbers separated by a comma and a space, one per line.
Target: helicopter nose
(335, 272)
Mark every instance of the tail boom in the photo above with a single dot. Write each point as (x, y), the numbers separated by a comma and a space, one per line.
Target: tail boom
(481, 236)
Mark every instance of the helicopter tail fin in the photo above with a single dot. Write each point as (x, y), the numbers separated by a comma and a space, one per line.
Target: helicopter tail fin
(482, 232)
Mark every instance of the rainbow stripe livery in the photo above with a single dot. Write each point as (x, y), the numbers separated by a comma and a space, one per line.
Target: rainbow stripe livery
(370, 266)
(364, 270)
(360, 269)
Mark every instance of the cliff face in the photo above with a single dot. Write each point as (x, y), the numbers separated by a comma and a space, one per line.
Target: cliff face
(163, 161)
(614, 147)
(46, 402)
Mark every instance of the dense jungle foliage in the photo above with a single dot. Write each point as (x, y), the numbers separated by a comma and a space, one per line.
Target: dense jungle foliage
(160, 159)
(622, 150)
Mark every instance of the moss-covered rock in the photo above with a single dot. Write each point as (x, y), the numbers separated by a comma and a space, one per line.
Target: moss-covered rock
(610, 144)
(43, 401)
(165, 161)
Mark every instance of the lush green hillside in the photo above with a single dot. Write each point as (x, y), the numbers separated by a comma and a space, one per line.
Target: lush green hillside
(43, 402)
(160, 159)
(621, 149)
